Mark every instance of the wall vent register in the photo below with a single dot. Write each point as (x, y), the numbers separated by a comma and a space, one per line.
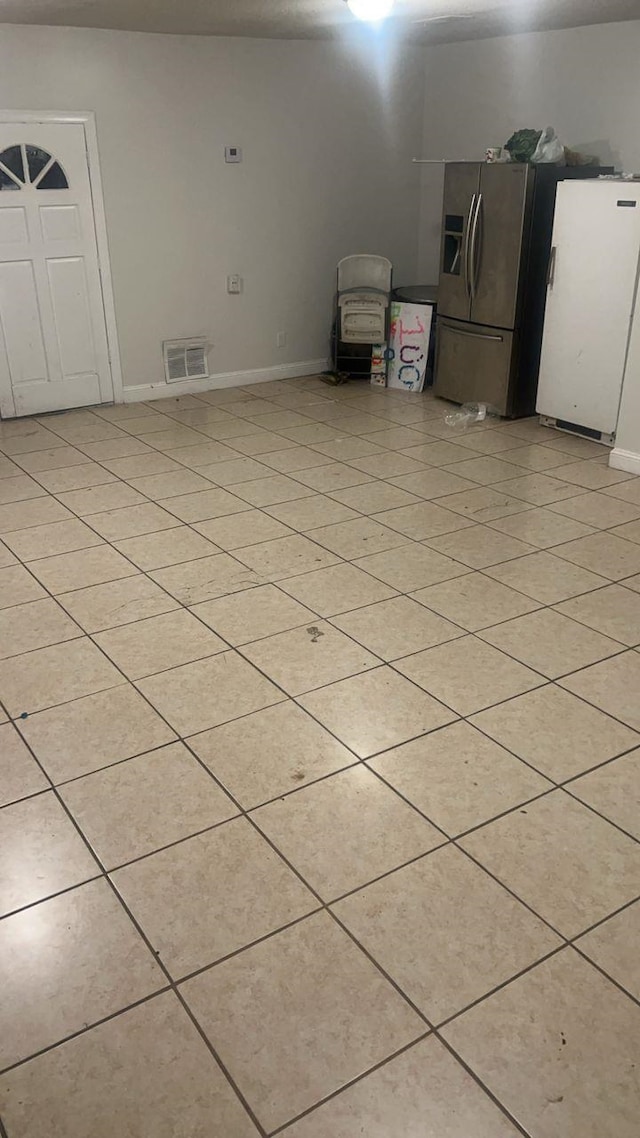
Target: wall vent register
(185, 359)
(23, 166)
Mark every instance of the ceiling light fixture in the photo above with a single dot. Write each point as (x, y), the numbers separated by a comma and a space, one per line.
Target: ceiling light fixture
(371, 11)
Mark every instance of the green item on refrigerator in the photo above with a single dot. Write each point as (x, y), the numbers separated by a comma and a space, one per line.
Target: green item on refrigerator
(522, 144)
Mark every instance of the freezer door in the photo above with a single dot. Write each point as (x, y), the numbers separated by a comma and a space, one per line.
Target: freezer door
(593, 275)
(496, 242)
(473, 364)
(461, 184)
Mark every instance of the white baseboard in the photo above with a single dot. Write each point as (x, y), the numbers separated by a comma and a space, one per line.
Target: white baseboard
(162, 390)
(625, 460)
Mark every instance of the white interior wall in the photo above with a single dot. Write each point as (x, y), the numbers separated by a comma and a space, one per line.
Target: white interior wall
(583, 81)
(327, 132)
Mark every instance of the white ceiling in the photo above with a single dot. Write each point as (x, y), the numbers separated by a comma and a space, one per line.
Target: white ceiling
(310, 19)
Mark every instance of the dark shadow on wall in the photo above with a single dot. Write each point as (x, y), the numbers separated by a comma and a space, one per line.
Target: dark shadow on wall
(600, 148)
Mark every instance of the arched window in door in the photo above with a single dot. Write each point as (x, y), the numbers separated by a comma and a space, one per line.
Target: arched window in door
(26, 165)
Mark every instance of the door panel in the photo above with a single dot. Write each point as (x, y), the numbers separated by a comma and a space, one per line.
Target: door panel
(473, 364)
(461, 182)
(60, 223)
(51, 308)
(497, 243)
(20, 317)
(13, 226)
(72, 316)
(77, 392)
(593, 274)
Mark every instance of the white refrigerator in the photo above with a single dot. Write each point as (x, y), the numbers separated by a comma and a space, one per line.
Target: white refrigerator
(591, 288)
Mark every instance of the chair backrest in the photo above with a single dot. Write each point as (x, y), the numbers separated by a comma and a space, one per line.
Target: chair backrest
(364, 270)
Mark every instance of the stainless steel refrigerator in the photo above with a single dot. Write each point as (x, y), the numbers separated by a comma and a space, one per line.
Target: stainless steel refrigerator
(496, 242)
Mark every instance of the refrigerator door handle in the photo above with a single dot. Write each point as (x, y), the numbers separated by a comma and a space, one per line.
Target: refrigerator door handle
(474, 260)
(472, 335)
(551, 271)
(467, 244)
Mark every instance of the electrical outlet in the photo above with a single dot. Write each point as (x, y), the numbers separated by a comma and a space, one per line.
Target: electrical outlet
(281, 340)
(234, 283)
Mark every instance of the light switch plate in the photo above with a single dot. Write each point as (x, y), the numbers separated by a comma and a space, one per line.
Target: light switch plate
(233, 154)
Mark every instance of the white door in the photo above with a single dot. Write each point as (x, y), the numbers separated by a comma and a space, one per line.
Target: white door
(592, 280)
(53, 341)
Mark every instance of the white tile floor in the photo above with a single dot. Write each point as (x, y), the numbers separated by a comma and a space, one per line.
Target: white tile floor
(320, 756)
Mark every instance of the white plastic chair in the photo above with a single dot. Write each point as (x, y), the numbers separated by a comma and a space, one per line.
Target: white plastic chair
(364, 293)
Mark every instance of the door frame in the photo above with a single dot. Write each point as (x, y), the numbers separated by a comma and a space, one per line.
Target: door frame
(87, 120)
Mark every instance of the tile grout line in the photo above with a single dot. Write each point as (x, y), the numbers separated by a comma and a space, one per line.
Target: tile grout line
(531, 506)
(617, 983)
(323, 906)
(138, 927)
(442, 466)
(449, 840)
(275, 847)
(84, 1030)
(555, 785)
(104, 875)
(548, 682)
(326, 907)
(237, 649)
(476, 1078)
(564, 784)
(343, 561)
(599, 814)
(347, 561)
(136, 924)
(351, 1083)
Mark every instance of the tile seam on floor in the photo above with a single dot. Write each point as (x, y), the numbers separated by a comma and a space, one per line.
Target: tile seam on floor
(236, 648)
(356, 942)
(49, 644)
(155, 956)
(236, 952)
(291, 475)
(623, 649)
(484, 1086)
(58, 892)
(565, 784)
(330, 618)
(322, 905)
(383, 663)
(351, 1083)
(558, 948)
(561, 948)
(594, 963)
(356, 761)
(139, 928)
(527, 596)
(81, 549)
(84, 1030)
(327, 907)
(387, 481)
(555, 785)
(599, 814)
(182, 605)
(144, 937)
